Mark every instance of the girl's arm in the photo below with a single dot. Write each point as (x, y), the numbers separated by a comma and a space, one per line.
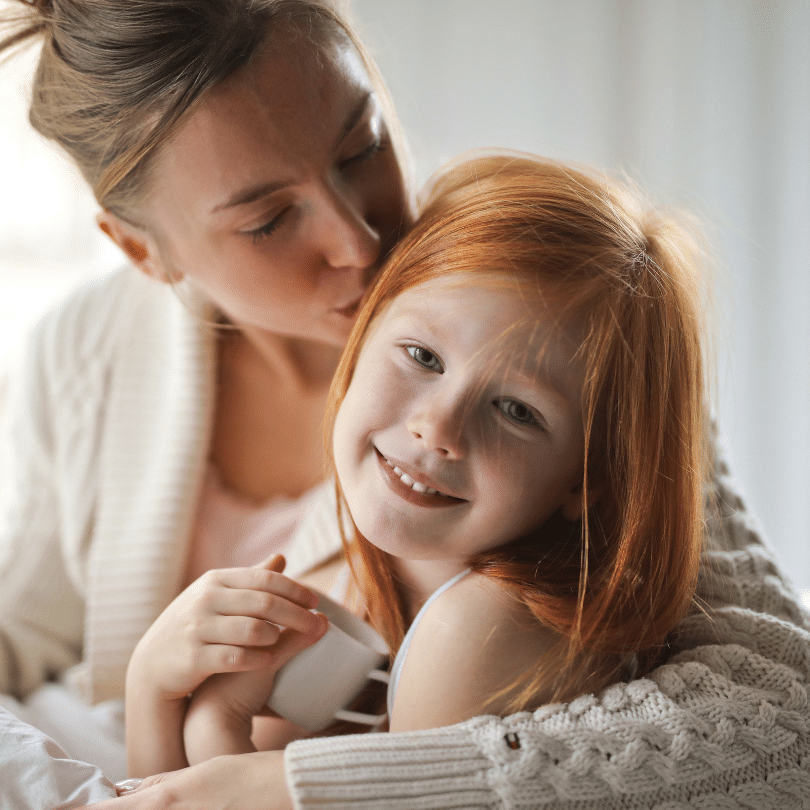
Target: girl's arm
(220, 716)
(226, 621)
(474, 641)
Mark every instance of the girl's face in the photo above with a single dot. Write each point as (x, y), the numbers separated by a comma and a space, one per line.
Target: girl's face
(442, 450)
(281, 194)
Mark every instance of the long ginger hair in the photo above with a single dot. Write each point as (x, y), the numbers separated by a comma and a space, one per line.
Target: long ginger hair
(620, 579)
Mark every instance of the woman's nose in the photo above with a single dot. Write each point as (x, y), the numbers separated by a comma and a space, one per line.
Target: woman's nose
(348, 239)
(438, 423)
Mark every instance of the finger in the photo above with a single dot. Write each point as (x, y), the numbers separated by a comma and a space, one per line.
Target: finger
(242, 631)
(260, 579)
(275, 562)
(268, 607)
(127, 785)
(215, 658)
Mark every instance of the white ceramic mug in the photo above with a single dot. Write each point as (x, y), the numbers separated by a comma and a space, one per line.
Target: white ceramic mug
(314, 688)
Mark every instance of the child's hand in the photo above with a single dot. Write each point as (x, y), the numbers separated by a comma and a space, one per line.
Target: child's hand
(226, 621)
(219, 719)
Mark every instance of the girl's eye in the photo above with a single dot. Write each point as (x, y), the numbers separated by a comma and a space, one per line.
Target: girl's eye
(374, 148)
(258, 234)
(424, 357)
(517, 412)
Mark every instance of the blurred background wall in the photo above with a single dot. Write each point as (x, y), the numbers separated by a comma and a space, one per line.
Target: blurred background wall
(705, 102)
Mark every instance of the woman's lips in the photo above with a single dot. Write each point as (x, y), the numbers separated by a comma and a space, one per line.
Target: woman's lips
(350, 310)
(403, 485)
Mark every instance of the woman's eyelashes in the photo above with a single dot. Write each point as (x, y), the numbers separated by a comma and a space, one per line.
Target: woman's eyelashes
(269, 228)
(379, 144)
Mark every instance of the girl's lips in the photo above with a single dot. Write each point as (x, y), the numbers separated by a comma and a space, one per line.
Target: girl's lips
(430, 497)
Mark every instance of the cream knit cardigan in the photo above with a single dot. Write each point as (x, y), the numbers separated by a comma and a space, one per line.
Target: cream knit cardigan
(106, 436)
(105, 441)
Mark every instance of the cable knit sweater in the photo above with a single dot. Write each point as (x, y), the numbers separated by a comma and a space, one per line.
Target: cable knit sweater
(724, 725)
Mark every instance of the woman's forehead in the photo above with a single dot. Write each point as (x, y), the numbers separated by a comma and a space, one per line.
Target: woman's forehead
(268, 125)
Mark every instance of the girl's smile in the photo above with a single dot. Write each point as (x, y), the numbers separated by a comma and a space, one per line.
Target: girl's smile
(416, 488)
(452, 438)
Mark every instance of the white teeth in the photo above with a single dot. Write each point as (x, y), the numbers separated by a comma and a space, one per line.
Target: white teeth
(414, 485)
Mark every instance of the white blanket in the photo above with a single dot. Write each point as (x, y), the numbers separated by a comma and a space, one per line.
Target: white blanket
(36, 774)
(93, 734)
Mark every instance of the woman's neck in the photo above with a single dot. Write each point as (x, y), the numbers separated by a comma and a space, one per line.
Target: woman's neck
(307, 363)
(271, 397)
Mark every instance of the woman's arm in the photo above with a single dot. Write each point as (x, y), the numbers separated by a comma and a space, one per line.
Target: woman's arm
(240, 782)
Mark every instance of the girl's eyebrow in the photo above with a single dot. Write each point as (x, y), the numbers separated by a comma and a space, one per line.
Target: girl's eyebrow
(250, 194)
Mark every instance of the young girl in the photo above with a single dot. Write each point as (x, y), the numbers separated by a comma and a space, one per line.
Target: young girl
(518, 433)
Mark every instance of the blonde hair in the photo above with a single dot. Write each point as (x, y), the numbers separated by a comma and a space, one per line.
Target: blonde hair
(116, 78)
(622, 579)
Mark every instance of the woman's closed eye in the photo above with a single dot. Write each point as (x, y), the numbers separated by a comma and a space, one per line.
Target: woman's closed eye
(269, 228)
(518, 412)
(374, 148)
(425, 358)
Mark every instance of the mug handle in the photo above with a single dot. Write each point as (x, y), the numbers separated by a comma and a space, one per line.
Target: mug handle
(361, 717)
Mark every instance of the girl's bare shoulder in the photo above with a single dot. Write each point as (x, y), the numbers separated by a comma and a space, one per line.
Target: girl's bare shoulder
(467, 656)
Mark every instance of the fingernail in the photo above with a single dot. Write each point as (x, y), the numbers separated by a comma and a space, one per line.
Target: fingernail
(324, 624)
(127, 785)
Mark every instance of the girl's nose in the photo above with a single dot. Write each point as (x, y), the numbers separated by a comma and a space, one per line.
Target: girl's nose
(439, 425)
(349, 241)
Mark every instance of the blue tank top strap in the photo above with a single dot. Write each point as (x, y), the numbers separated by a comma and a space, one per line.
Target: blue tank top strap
(402, 652)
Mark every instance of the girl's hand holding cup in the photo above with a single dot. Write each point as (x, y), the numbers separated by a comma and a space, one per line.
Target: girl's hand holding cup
(226, 621)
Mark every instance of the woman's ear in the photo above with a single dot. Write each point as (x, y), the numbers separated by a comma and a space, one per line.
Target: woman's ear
(574, 505)
(139, 247)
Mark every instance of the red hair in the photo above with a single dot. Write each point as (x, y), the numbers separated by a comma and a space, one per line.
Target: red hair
(622, 578)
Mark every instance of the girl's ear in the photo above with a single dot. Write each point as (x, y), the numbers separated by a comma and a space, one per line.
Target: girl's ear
(574, 506)
(139, 247)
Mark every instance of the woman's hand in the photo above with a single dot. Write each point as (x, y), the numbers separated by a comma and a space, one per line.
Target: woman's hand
(225, 621)
(241, 782)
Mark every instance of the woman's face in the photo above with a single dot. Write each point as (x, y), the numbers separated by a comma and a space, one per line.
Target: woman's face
(281, 195)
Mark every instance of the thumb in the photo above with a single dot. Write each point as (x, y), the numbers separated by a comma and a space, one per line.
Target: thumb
(275, 562)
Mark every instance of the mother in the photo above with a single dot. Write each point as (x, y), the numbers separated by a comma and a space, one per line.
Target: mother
(166, 422)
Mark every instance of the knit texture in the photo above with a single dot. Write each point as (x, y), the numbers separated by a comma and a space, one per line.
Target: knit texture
(724, 724)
